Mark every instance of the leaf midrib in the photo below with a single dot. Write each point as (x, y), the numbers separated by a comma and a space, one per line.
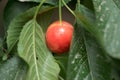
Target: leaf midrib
(34, 51)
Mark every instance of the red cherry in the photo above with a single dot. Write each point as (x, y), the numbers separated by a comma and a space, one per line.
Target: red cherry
(59, 36)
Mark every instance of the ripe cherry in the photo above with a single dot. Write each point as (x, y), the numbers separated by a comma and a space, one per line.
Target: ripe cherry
(59, 36)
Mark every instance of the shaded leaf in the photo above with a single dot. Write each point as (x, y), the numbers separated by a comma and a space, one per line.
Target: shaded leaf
(78, 68)
(106, 27)
(14, 8)
(100, 68)
(1, 48)
(62, 60)
(13, 69)
(107, 19)
(115, 74)
(87, 3)
(33, 50)
(117, 2)
(87, 21)
(87, 60)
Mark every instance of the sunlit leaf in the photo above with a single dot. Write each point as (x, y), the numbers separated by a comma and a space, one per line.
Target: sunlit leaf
(33, 50)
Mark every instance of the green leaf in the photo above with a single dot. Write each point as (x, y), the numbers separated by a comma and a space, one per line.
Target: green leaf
(117, 2)
(115, 74)
(1, 50)
(32, 48)
(86, 59)
(13, 69)
(14, 8)
(87, 3)
(108, 20)
(62, 60)
(78, 68)
(17, 24)
(87, 18)
(100, 68)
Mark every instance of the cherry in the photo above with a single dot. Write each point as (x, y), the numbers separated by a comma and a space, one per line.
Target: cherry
(59, 36)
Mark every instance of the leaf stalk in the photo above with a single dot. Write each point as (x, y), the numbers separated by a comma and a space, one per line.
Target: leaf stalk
(38, 8)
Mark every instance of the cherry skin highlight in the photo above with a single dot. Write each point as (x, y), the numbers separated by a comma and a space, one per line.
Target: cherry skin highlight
(59, 36)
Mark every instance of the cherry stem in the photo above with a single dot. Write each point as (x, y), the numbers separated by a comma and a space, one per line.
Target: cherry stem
(68, 8)
(60, 12)
(38, 8)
